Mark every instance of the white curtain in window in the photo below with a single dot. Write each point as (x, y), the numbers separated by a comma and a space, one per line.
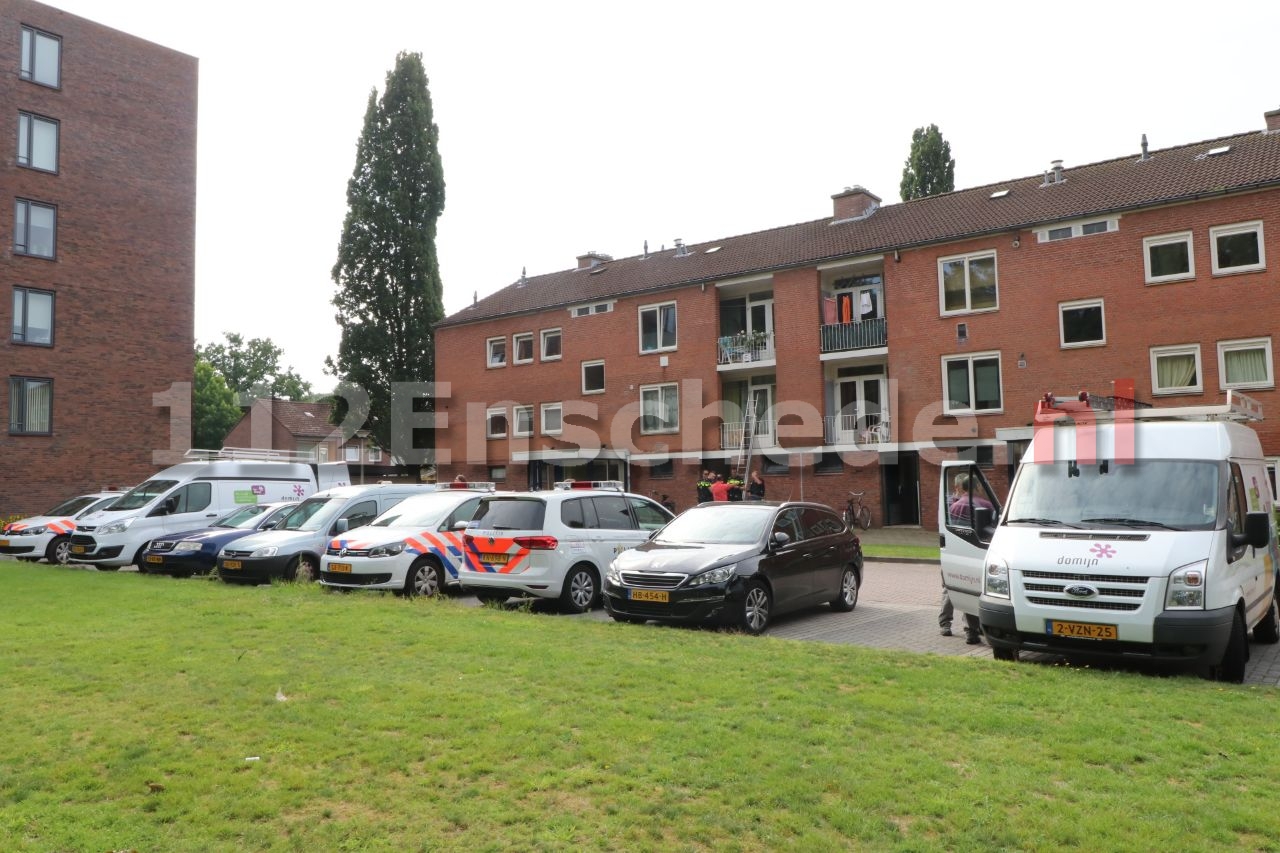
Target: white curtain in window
(1176, 371)
(1245, 365)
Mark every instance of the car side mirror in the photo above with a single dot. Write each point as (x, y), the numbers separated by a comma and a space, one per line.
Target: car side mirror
(984, 518)
(779, 540)
(342, 525)
(1257, 531)
(460, 525)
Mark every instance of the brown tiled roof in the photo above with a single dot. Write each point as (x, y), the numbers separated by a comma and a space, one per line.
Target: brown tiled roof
(1172, 174)
(303, 420)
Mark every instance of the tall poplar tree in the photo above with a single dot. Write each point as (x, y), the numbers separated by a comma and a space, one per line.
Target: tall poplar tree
(389, 292)
(929, 169)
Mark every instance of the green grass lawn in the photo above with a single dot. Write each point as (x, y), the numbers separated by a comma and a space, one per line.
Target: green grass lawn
(141, 713)
(907, 552)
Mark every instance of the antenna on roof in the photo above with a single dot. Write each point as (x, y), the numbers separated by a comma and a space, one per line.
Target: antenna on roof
(522, 275)
(1145, 156)
(646, 250)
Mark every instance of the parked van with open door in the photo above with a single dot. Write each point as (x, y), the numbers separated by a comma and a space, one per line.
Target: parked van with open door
(1138, 534)
(190, 495)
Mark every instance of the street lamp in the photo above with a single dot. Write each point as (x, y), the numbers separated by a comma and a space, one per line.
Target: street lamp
(363, 435)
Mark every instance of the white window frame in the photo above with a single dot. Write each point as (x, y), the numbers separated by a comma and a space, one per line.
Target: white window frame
(489, 430)
(373, 453)
(971, 358)
(1062, 328)
(516, 340)
(542, 346)
(1076, 229)
(585, 365)
(351, 453)
(591, 308)
(1245, 344)
(547, 408)
(1175, 349)
(1148, 243)
(660, 388)
(1238, 228)
(489, 346)
(657, 307)
(516, 413)
(968, 288)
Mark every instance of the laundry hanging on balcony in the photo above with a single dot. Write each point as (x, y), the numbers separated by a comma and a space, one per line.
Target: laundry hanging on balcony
(829, 312)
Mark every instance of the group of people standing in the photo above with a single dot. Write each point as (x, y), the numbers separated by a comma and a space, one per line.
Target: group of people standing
(715, 487)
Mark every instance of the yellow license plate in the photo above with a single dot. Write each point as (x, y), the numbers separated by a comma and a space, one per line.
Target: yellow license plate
(155, 559)
(4, 543)
(79, 549)
(650, 595)
(344, 568)
(231, 564)
(493, 559)
(1082, 630)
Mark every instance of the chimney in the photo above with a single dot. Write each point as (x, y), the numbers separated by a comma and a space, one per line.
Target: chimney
(1273, 119)
(854, 202)
(592, 259)
(1054, 174)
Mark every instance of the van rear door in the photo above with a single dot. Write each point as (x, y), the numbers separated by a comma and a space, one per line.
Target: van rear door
(967, 515)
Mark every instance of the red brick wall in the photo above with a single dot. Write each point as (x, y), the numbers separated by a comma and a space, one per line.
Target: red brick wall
(124, 273)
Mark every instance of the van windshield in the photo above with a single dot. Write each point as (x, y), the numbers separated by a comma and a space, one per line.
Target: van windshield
(1150, 493)
(311, 514)
(140, 496)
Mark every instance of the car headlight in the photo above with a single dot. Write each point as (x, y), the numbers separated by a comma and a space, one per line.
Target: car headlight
(613, 576)
(996, 579)
(720, 575)
(187, 546)
(31, 531)
(115, 527)
(387, 550)
(1186, 587)
(268, 551)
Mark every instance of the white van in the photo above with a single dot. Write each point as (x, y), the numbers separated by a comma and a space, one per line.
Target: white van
(1149, 537)
(292, 551)
(188, 496)
(49, 535)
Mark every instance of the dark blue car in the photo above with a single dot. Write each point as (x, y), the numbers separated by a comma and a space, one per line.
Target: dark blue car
(195, 552)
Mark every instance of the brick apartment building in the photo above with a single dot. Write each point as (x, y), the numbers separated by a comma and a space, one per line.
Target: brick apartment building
(99, 274)
(880, 340)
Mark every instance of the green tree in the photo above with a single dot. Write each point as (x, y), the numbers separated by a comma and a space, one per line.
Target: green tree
(929, 170)
(213, 407)
(252, 368)
(389, 292)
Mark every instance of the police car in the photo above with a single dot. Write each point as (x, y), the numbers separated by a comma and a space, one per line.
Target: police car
(49, 535)
(414, 548)
(556, 544)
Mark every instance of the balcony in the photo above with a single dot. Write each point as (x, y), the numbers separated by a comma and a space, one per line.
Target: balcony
(840, 337)
(731, 434)
(745, 348)
(866, 431)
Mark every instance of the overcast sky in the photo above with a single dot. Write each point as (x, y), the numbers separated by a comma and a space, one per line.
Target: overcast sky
(569, 127)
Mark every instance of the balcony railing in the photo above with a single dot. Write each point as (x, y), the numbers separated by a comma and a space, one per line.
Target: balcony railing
(745, 348)
(731, 434)
(851, 429)
(837, 337)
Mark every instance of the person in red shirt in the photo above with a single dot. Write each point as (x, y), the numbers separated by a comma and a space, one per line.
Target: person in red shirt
(719, 489)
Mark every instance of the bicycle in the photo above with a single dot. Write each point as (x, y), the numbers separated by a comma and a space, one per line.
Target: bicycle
(856, 511)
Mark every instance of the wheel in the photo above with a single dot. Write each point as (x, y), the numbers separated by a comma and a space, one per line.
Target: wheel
(303, 569)
(59, 551)
(1233, 659)
(425, 577)
(580, 590)
(847, 598)
(864, 517)
(1004, 654)
(753, 612)
(489, 597)
(1268, 630)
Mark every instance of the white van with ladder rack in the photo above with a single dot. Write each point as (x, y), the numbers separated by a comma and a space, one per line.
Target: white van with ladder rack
(1129, 533)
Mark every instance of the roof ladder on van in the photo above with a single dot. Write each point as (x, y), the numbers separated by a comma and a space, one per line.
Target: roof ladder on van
(1238, 407)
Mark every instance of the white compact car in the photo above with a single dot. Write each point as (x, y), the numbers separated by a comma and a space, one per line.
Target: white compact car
(49, 535)
(556, 544)
(414, 548)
